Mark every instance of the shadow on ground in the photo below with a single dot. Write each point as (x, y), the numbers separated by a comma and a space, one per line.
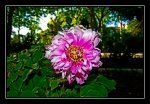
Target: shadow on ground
(130, 83)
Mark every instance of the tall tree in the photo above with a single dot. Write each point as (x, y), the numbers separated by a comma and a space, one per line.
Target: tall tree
(9, 27)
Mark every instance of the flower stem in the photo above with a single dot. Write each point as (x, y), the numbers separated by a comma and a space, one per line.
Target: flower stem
(62, 89)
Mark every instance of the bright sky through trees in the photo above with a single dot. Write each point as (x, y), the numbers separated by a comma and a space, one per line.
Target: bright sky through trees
(43, 25)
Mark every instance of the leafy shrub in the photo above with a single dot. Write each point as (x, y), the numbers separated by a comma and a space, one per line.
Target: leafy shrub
(29, 74)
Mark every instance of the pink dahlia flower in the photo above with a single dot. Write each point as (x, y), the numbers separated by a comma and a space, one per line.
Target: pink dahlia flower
(73, 53)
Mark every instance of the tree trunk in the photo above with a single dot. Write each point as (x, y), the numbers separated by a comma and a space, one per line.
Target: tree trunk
(120, 27)
(142, 25)
(93, 18)
(9, 29)
(101, 27)
(19, 27)
(19, 35)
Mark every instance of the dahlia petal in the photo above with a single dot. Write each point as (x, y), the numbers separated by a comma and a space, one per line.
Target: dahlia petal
(62, 41)
(88, 34)
(73, 69)
(78, 31)
(47, 55)
(88, 45)
(79, 80)
(70, 78)
(81, 63)
(55, 41)
(61, 47)
(64, 56)
(56, 59)
(57, 71)
(84, 68)
(96, 52)
(89, 57)
(63, 74)
(70, 41)
(81, 42)
(67, 45)
(81, 71)
(98, 64)
(61, 64)
(96, 42)
(67, 65)
(48, 47)
(58, 52)
(85, 61)
(96, 59)
(71, 36)
(82, 27)
(86, 76)
(89, 66)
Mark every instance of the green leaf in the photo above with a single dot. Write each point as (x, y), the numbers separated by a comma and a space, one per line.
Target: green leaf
(19, 73)
(28, 93)
(46, 61)
(11, 87)
(17, 84)
(47, 72)
(33, 46)
(54, 84)
(68, 90)
(21, 55)
(35, 66)
(41, 45)
(10, 58)
(85, 89)
(56, 94)
(12, 94)
(41, 92)
(28, 62)
(91, 77)
(8, 82)
(37, 55)
(94, 93)
(27, 85)
(39, 81)
(78, 86)
(67, 93)
(35, 89)
(9, 66)
(46, 84)
(13, 76)
(26, 73)
(75, 93)
(101, 89)
(18, 66)
(110, 84)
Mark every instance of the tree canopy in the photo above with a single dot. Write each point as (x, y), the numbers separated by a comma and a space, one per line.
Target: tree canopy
(96, 18)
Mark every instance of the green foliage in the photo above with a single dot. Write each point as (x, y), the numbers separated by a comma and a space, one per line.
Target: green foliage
(110, 84)
(28, 93)
(12, 94)
(28, 75)
(94, 90)
(13, 76)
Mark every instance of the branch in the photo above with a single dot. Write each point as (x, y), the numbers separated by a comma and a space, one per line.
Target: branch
(78, 12)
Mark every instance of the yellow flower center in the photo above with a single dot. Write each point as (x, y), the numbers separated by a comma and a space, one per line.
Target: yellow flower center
(75, 53)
